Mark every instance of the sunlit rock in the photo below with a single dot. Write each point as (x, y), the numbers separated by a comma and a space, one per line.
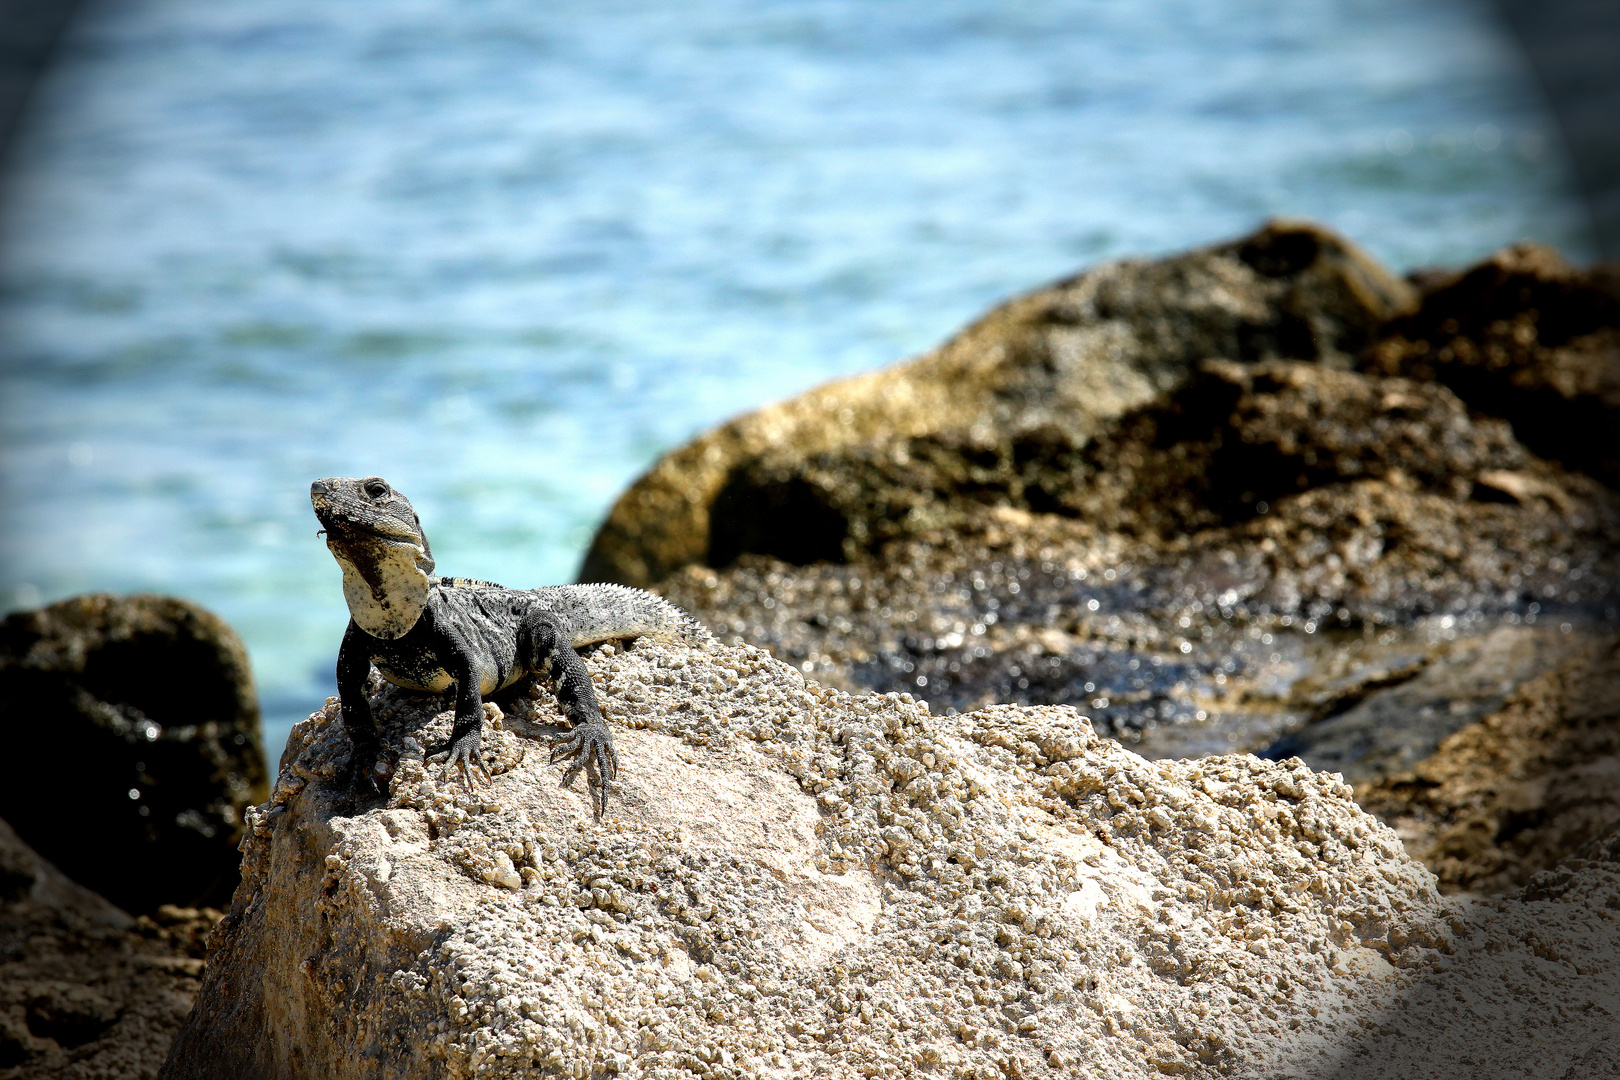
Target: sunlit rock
(795, 881)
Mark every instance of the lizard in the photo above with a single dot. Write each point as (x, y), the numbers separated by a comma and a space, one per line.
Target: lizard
(429, 633)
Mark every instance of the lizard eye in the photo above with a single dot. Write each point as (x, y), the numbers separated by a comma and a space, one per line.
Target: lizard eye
(377, 489)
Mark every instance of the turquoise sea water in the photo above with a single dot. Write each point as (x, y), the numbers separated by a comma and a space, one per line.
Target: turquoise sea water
(504, 254)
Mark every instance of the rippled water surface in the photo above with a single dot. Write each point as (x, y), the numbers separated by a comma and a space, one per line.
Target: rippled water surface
(504, 254)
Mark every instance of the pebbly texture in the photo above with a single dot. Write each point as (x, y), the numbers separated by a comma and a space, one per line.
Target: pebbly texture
(802, 883)
(1257, 497)
(86, 992)
(132, 720)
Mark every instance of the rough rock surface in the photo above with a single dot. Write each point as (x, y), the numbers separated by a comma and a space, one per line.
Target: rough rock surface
(1527, 337)
(1256, 497)
(1540, 775)
(796, 882)
(132, 720)
(86, 992)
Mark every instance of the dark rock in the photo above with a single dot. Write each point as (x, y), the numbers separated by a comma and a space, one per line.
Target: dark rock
(134, 727)
(1071, 358)
(1234, 438)
(1536, 781)
(69, 1014)
(84, 989)
(1527, 337)
(1390, 732)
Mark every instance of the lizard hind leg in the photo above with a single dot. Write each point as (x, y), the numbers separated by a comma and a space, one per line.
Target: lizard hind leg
(548, 653)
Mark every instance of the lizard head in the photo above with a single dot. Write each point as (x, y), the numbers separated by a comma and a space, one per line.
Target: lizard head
(376, 537)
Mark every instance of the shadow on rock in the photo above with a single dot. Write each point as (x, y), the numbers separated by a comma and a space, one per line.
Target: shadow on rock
(135, 732)
(1515, 814)
(1517, 985)
(84, 989)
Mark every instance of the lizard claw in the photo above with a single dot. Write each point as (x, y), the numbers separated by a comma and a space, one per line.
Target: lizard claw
(590, 743)
(462, 755)
(370, 769)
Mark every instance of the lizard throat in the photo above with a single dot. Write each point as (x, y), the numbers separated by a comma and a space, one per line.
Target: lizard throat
(385, 586)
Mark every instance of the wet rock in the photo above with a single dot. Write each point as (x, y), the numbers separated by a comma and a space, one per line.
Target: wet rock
(793, 880)
(1514, 792)
(135, 732)
(86, 991)
(1390, 731)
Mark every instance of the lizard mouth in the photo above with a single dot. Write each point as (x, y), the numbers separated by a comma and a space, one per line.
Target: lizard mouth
(338, 524)
(343, 523)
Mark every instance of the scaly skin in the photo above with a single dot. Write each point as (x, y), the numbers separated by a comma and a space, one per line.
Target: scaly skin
(429, 633)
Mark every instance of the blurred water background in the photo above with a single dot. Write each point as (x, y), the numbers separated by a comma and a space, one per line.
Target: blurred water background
(504, 254)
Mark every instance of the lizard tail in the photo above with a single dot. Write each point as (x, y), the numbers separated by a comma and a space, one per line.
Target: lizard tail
(598, 613)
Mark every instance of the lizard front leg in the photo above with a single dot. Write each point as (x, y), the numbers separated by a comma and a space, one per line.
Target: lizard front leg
(353, 668)
(467, 734)
(548, 653)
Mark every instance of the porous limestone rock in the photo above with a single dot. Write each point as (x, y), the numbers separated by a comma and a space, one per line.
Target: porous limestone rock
(792, 881)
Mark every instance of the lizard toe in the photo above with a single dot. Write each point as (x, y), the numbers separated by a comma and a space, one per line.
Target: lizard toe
(568, 748)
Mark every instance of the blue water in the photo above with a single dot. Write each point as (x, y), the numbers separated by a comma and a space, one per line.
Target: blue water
(505, 254)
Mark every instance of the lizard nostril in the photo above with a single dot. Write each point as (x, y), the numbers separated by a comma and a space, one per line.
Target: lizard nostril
(319, 488)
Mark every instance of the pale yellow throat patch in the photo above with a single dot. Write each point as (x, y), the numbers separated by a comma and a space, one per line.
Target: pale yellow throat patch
(385, 587)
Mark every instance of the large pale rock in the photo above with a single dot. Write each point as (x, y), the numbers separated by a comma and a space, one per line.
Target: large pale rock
(792, 881)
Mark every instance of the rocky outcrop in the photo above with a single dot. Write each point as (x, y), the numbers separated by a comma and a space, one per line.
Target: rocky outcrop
(794, 881)
(86, 991)
(1527, 337)
(134, 732)
(1257, 497)
(1071, 358)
